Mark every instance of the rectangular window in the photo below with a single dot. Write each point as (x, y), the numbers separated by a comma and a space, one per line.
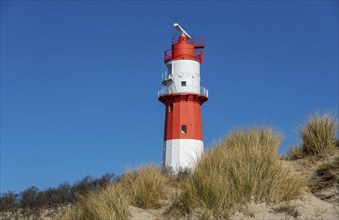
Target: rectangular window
(169, 69)
(183, 129)
(170, 108)
(183, 83)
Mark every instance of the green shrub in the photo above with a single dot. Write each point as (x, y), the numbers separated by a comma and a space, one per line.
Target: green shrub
(319, 134)
(243, 167)
(8, 202)
(29, 198)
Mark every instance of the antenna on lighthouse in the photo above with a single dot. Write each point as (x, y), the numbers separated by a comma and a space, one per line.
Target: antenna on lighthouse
(181, 30)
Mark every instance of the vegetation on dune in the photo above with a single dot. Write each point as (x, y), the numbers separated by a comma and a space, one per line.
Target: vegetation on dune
(318, 136)
(242, 167)
(108, 203)
(295, 153)
(32, 199)
(327, 174)
(142, 188)
(145, 186)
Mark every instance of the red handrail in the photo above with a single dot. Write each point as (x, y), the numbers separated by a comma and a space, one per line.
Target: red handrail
(198, 55)
(198, 42)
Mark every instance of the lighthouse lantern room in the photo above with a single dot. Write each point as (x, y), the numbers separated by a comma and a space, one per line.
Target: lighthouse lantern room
(183, 97)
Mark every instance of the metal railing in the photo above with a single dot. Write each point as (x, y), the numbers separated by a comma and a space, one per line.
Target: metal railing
(204, 91)
(198, 55)
(194, 40)
(167, 55)
(164, 91)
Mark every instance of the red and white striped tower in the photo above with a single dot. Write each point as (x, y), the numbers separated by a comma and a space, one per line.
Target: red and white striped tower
(183, 97)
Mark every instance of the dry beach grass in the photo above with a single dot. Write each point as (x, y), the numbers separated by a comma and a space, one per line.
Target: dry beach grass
(243, 167)
(241, 177)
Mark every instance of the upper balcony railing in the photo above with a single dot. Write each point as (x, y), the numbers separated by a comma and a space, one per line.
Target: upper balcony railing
(164, 91)
(198, 55)
(196, 41)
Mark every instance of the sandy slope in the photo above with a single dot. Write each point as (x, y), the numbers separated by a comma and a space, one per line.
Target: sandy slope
(306, 207)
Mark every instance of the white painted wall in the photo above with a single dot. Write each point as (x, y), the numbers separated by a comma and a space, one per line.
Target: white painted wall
(184, 70)
(182, 153)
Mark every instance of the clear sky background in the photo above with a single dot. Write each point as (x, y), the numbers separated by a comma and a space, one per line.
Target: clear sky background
(79, 80)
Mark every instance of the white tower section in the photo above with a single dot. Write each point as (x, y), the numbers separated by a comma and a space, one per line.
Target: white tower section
(183, 76)
(182, 153)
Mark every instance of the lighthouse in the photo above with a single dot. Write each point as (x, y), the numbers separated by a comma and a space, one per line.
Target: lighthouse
(183, 97)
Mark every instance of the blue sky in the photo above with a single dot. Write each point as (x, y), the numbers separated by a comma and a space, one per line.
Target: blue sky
(79, 79)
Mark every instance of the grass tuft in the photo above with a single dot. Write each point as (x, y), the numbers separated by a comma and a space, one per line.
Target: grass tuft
(145, 186)
(295, 153)
(142, 188)
(107, 204)
(319, 134)
(242, 167)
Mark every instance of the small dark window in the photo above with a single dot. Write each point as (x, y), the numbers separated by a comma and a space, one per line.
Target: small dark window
(183, 129)
(183, 83)
(170, 108)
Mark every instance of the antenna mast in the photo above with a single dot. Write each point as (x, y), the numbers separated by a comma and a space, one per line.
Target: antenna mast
(182, 31)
